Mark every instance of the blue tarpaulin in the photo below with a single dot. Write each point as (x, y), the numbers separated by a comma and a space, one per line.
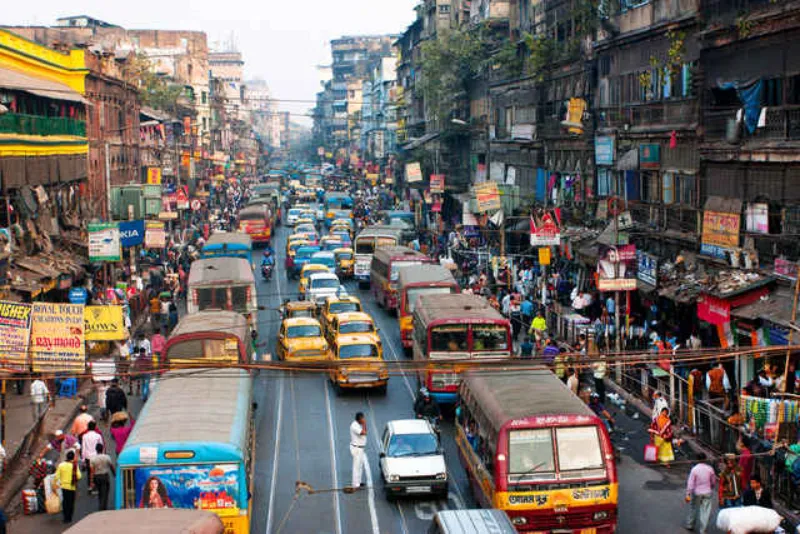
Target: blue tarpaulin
(541, 184)
(750, 93)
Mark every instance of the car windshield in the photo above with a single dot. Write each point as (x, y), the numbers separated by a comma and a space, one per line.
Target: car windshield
(306, 330)
(356, 327)
(324, 283)
(305, 228)
(294, 212)
(412, 445)
(342, 307)
(344, 256)
(358, 351)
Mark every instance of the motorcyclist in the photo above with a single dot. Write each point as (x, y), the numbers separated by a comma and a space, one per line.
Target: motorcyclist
(425, 407)
(267, 260)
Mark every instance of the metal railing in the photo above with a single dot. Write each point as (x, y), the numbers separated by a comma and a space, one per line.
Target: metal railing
(649, 114)
(781, 123)
(18, 123)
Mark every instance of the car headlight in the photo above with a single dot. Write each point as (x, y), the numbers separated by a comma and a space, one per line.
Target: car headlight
(600, 516)
(441, 476)
(394, 478)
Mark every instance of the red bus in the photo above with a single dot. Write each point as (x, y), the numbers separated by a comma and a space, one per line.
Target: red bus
(412, 283)
(534, 450)
(456, 326)
(386, 264)
(256, 221)
(210, 336)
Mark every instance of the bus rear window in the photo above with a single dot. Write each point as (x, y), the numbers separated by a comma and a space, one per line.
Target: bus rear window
(365, 246)
(530, 456)
(387, 241)
(579, 454)
(450, 338)
(489, 337)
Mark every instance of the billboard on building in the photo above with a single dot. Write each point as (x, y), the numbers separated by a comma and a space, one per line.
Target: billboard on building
(104, 242)
(413, 172)
(15, 331)
(57, 338)
(616, 268)
(487, 196)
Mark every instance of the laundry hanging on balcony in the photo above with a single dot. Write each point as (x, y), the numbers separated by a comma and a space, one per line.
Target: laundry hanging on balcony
(750, 93)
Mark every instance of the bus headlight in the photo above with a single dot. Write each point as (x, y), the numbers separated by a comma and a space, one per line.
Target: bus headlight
(394, 478)
(600, 516)
(441, 476)
(519, 520)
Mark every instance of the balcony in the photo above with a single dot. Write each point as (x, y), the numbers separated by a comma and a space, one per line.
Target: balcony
(17, 123)
(782, 124)
(726, 11)
(649, 114)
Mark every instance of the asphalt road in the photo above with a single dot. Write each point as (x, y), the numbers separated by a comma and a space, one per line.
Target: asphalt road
(303, 436)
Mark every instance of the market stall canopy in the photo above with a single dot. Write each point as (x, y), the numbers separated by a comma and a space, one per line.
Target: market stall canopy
(775, 308)
(629, 161)
(17, 81)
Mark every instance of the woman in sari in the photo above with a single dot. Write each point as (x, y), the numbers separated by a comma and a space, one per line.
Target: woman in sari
(661, 430)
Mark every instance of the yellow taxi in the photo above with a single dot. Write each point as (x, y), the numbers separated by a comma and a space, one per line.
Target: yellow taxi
(345, 262)
(300, 338)
(361, 364)
(305, 272)
(334, 305)
(352, 323)
(304, 220)
(291, 248)
(341, 228)
(298, 308)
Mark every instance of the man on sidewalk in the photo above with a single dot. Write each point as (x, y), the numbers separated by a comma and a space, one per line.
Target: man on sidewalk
(699, 494)
(39, 397)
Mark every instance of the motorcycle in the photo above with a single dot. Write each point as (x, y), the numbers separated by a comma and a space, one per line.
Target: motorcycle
(266, 272)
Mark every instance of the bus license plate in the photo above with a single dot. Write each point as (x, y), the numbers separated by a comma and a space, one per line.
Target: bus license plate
(418, 489)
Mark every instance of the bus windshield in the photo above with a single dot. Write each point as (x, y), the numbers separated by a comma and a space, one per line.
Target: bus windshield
(579, 454)
(358, 351)
(412, 294)
(530, 456)
(449, 338)
(489, 337)
(365, 246)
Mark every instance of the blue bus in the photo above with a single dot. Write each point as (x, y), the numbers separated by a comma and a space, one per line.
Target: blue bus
(337, 202)
(193, 447)
(229, 245)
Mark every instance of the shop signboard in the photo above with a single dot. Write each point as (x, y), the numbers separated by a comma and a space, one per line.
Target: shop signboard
(154, 175)
(487, 196)
(131, 233)
(15, 330)
(182, 199)
(211, 487)
(604, 150)
(104, 242)
(713, 310)
(786, 269)
(720, 233)
(467, 217)
(544, 256)
(413, 172)
(154, 235)
(649, 156)
(78, 295)
(545, 232)
(757, 218)
(104, 323)
(437, 183)
(648, 268)
(616, 268)
(57, 338)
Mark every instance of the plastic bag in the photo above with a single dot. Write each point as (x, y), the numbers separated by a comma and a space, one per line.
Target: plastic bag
(650, 453)
(30, 502)
(748, 520)
(53, 504)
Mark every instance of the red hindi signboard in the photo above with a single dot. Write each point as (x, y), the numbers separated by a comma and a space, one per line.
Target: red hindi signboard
(437, 183)
(546, 233)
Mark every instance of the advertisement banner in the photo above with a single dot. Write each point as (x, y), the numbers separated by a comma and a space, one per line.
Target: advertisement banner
(786, 269)
(210, 487)
(648, 268)
(437, 183)
(713, 310)
(131, 233)
(104, 242)
(720, 233)
(413, 172)
(57, 341)
(15, 331)
(182, 198)
(603, 150)
(545, 232)
(154, 175)
(155, 236)
(649, 156)
(544, 256)
(616, 268)
(488, 196)
(104, 323)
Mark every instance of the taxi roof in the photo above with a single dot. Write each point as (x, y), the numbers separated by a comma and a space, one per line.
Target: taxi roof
(301, 321)
(298, 305)
(343, 249)
(314, 267)
(342, 298)
(346, 317)
(356, 339)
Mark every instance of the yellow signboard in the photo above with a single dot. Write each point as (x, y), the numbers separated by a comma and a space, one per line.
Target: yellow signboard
(104, 323)
(488, 196)
(544, 256)
(154, 175)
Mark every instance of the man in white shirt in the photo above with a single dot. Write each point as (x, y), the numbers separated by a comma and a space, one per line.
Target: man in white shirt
(358, 440)
(39, 397)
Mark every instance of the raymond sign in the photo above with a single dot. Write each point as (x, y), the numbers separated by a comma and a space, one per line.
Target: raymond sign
(720, 233)
(154, 235)
(437, 183)
(488, 196)
(154, 175)
(57, 341)
(104, 323)
(413, 173)
(15, 331)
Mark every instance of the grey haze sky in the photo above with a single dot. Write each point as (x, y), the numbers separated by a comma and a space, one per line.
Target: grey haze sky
(282, 41)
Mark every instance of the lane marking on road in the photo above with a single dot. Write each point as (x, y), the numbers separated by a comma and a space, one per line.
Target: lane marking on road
(334, 468)
(373, 512)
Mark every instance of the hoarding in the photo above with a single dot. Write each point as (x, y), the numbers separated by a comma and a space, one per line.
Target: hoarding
(15, 331)
(413, 172)
(104, 242)
(57, 337)
(616, 268)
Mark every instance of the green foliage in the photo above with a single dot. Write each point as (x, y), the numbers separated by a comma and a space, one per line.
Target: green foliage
(155, 91)
(509, 60)
(541, 53)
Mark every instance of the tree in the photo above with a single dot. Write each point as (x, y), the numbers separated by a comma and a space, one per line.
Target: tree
(155, 91)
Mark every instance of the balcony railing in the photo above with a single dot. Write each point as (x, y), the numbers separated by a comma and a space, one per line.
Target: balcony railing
(649, 114)
(17, 123)
(781, 124)
(729, 10)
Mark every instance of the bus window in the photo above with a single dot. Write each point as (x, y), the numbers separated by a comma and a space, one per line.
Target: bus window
(489, 337)
(239, 299)
(579, 454)
(531, 456)
(365, 246)
(387, 241)
(449, 338)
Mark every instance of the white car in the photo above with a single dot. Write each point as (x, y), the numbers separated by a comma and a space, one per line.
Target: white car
(412, 460)
(322, 285)
(292, 215)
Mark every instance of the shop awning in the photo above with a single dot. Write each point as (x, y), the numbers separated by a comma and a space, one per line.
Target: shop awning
(775, 308)
(15, 80)
(629, 161)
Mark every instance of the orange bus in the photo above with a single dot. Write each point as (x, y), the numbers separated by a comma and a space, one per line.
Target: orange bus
(412, 283)
(386, 264)
(256, 221)
(460, 326)
(534, 450)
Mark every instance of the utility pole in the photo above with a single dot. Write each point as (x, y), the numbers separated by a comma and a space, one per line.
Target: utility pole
(791, 331)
